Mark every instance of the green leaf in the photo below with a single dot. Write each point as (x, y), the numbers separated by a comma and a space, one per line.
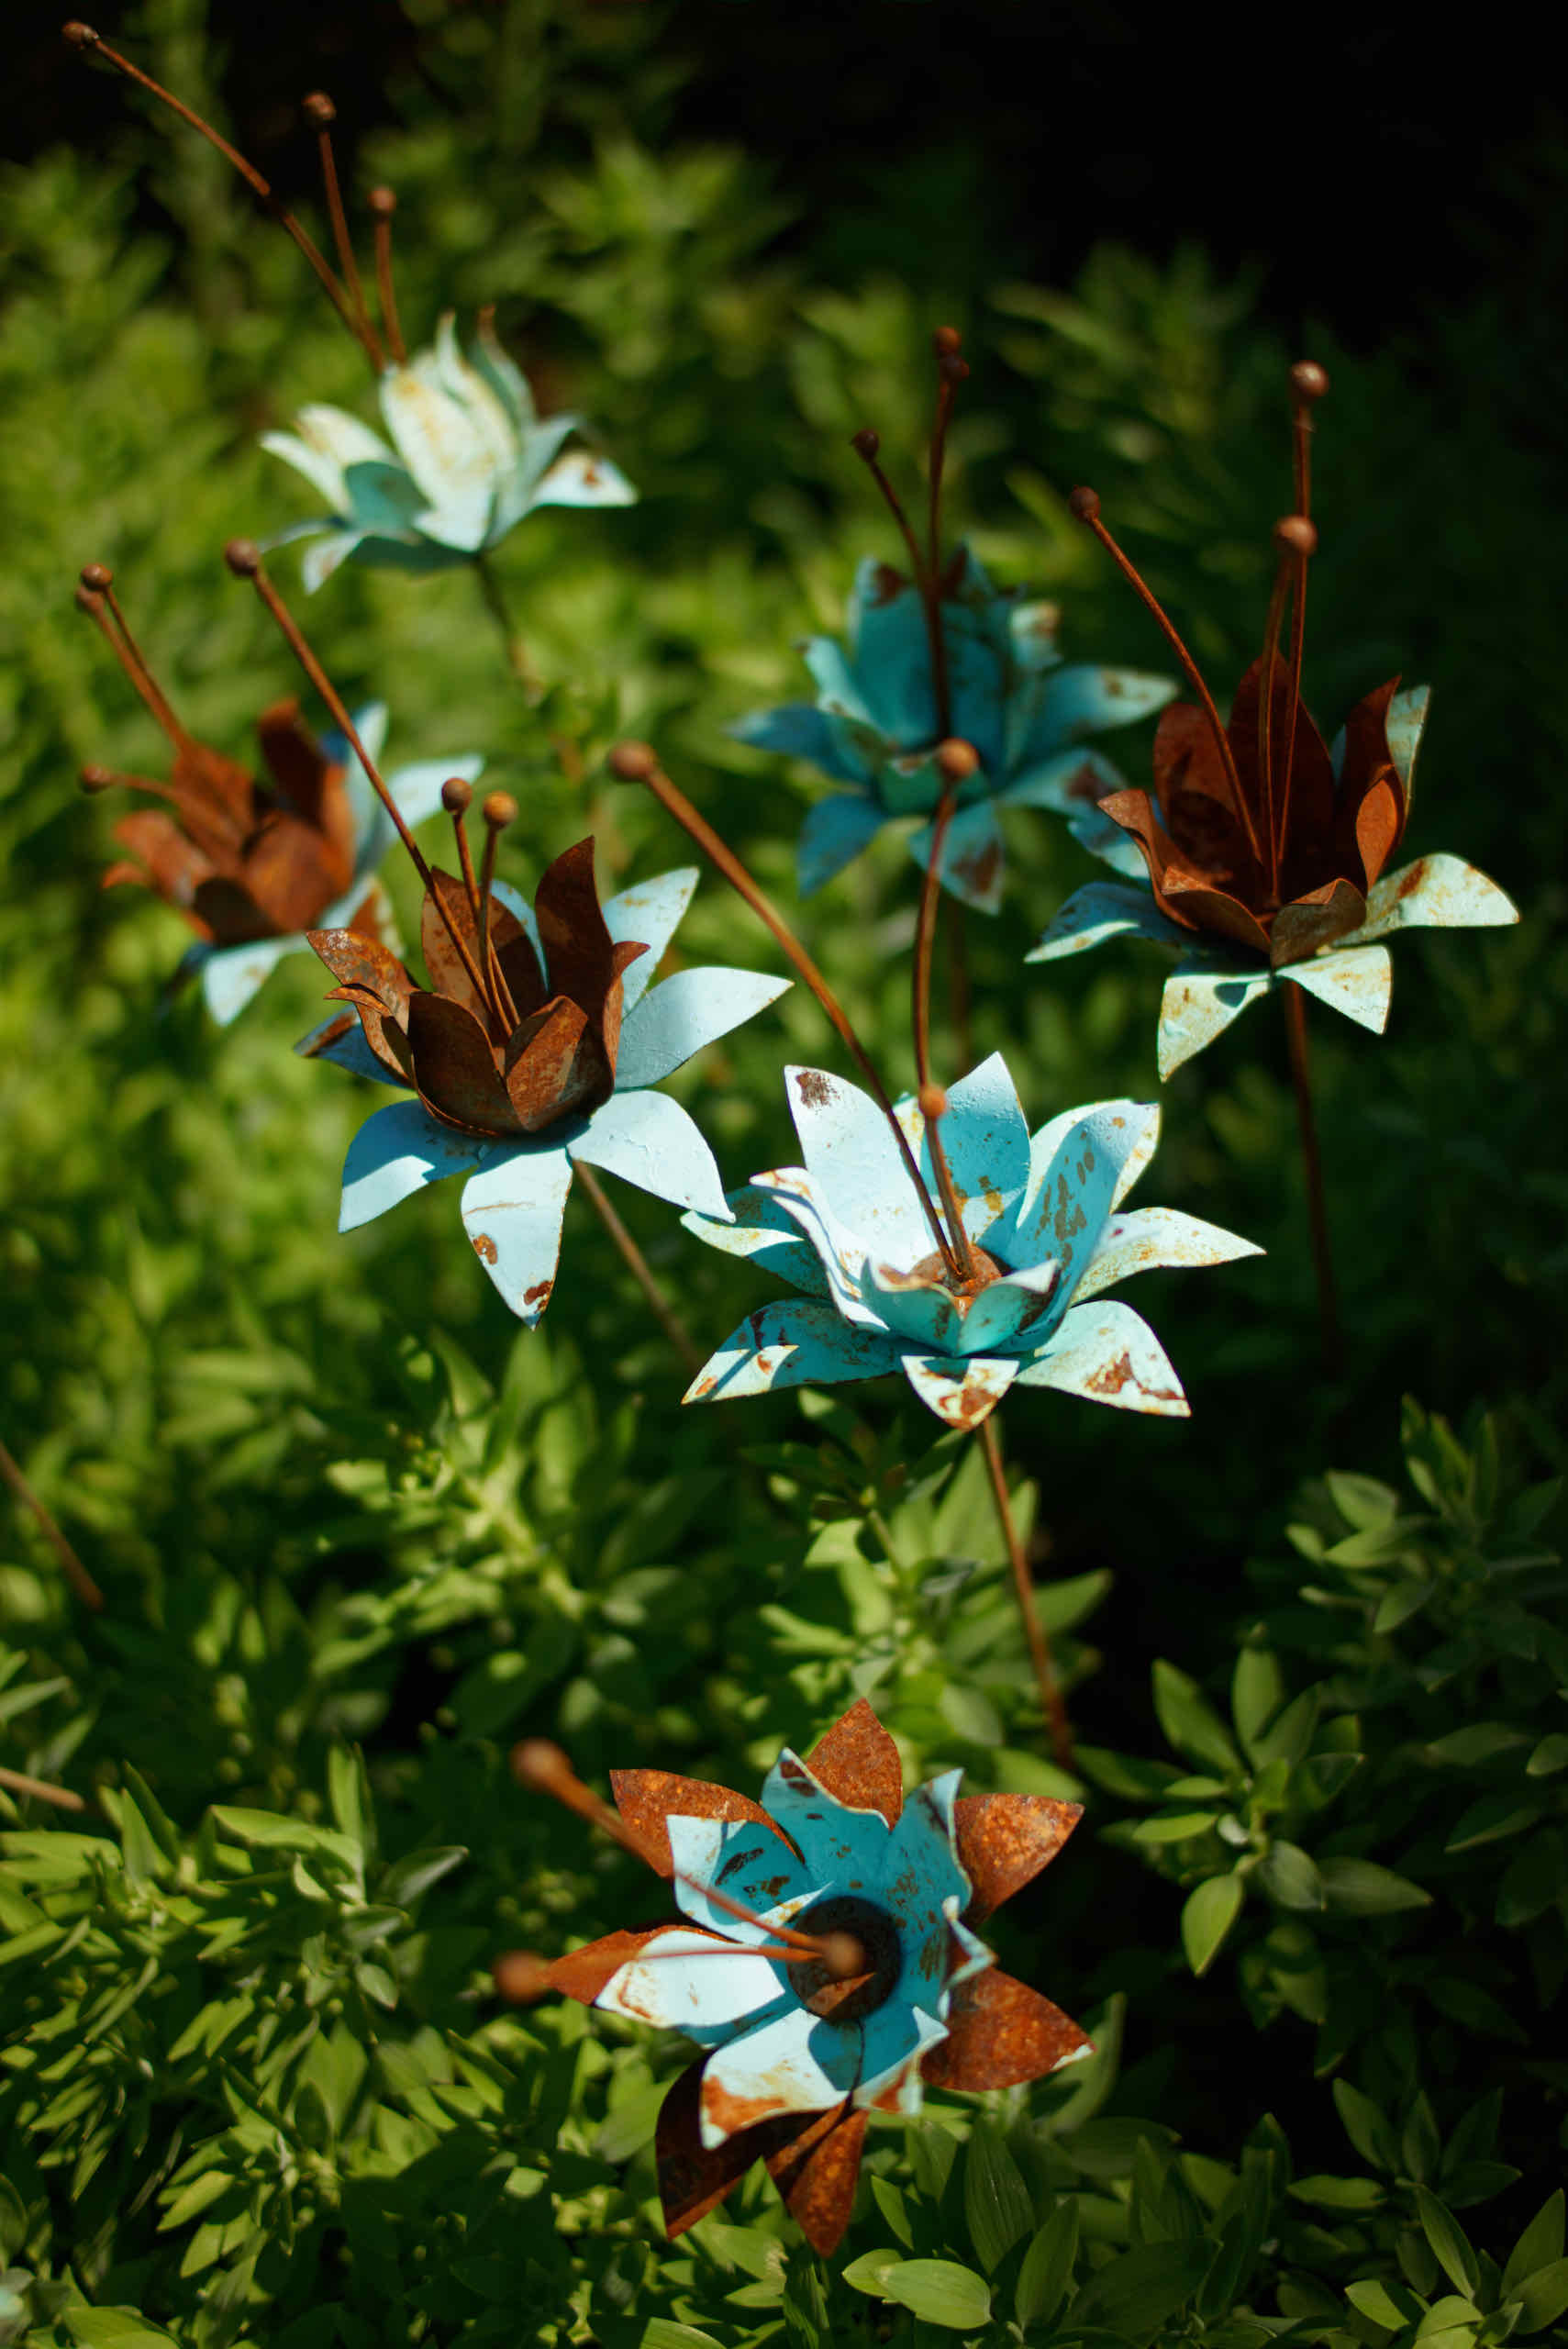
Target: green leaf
(1257, 1692)
(1176, 1827)
(940, 2291)
(1491, 1819)
(1109, 2148)
(1361, 1889)
(1190, 1724)
(1135, 2293)
(1477, 1741)
(1207, 1915)
(1289, 1876)
(1542, 2296)
(1046, 2277)
(868, 2273)
(664, 2333)
(1449, 2241)
(1366, 2126)
(894, 2208)
(277, 1832)
(1362, 1501)
(1550, 1756)
(406, 1878)
(113, 2329)
(1339, 2193)
(970, 1715)
(997, 2205)
(1400, 1601)
(1540, 2244)
(1390, 2306)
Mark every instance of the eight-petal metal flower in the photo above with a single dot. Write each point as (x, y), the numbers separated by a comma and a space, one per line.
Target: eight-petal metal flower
(874, 726)
(1046, 1226)
(795, 2064)
(552, 1061)
(468, 458)
(1319, 919)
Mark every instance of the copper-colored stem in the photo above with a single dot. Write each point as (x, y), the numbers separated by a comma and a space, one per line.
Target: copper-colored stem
(637, 1263)
(924, 931)
(498, 993)
(346, 262)
(1195, 678)
(964, 1266)
(111, 778)
(1051, 1697)
(481, 927)
(76, 1573)
(931, 592)
(17, 1782)
(246, 172)
(784, 1953)
(676, 804)
(1266, 715)
(339, 707)
(894, 507)
(1297, 646)
(127, 651)
(384, 293)
(1312, 1165)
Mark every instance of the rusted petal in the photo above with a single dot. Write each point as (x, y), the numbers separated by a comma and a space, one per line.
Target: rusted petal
(362, 963)
(292, 873)
(311, 785)
(582, 1973)
(858, 1763)
(176, 866)
(372, 917)
(1316, 921)
(1379, 820)
(1187, 897)
(1312, 794)
(646, 1799)
(622, 955)
(540, 1057)
(579, 956)
(520, 963)
(1000, 2033)
(217, 796)
(229, 913)
(455, 1069)
(1006, 1839)
(1195, 794)
(817, 2175)
(448, 975)
(693, 2178)
(1367, 751)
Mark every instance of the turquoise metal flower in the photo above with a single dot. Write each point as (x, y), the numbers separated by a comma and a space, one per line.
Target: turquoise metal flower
(1046, 1229)
(468, 458)
(876, 724)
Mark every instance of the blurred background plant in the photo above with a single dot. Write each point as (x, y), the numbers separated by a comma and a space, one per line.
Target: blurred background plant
(251, 2081)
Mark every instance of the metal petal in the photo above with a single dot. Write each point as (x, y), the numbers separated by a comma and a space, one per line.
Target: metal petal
(1096, 1154)
(798, 729)
(685, 1012)
(1004, 1841)
(416, 791)
(1001, 2033)
(1094, 832)
(322, 559)
(1200, 1000)
(839, 1255)
(708, 1998)
(646, 1798)
(917, 1307)
(1357, 980)
(1084, 699)
(1065, 783)
(1405, 723)
(747, 1860)
(853, 1160)
(394, 1154)
(838, 692)
(649, 912)
(455, 1069)
(1003, 1316)
(693, 2178)
(512, 1210)
(842, 1839)
(857, 1762)
(794, 2063)
(1107, 1353)
(920, 1872)
(1310, 923)
(504, 378)
(985, 1138)
(835, 832)
(649, 1139)
(582, 1973)
(232, 974)
(816, 2173)
(583, 478)
(795, 1343)
(963, 1390)
(1146, 1239)
(972, 855)
(445, 451)
(764, 1233)
(1100, 911)
(341, 1041)
(893, 656)
(1436, 892)
(894, 2038)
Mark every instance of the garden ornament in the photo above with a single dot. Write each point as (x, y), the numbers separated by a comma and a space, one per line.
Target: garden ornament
(936, 653)
(252, 865)
(1262, 853)
(802, 2043)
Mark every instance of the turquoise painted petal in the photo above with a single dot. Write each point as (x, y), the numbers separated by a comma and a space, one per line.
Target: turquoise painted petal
(649, 1139)
(1100, 911)
(838, 1843)
(1032, 630)
(972, 856)
(1435, 893)
(1104, 837)
(1145, 1240)
(1357, 980)
(796, 2065)
(684, 1013)
(650, 911)
(917, 1308)
(894, 2037)
(835, 832)
(961, 1389)
(1097, 1156)
(977, 686)
(794, 1342)
(394, 1154)
(381, 500)
(232, 974)
(1107, 1353)
(349, 1050)
(504, 378)
(837, 690)
(840, 1257)
(747, 1861)
(920, 1876)
(1085, 699)
(539, 451)
(512, 1210)
(370, 725)
(909, 784)
(996, 1318)
(764, 1233)
(893, 658)
(855, 1163)
(710, 1999)
(798, 729)
(1134, 1128)
(985, 1139)
(1200, 1000)
(1067, 783)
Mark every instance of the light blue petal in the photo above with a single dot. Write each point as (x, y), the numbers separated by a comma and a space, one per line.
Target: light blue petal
(839, 1255)
(684, 1013)
(799, 2064)
(837, 690)
(232, 974)
(1100, 911)
(1200, 1000)
(1357, 980)
(910, 784)
(1107, 1353)
(920, 1876)
(517, 906)
(454, 461)
(985, 1139)
(893, 2036)
(855, 1163)
(649, 912)
(997, 1320)
(540, 451)
(394, 1154)
(977, 687)
(321, 561)
(1134, 1136)
(747, 1861)
(709, 1999)
(1102, 837)
(972, 856)
(346, 1050)
(1087, 1173)
(512, 1210)
(504, 378)
(917, 1310)
(835, 832)
(839, 1843)
(961, 1389)
(1435, 893)
(1405, 723)
(1146, 1239)
(649, 1139)
(1032, 631)
(794, 1342)
(764, 1233)
(583, 478)
(1067, 783)
(381, 500)
(798, 729)
(417, 790)
(1084, 699)
(893, 658)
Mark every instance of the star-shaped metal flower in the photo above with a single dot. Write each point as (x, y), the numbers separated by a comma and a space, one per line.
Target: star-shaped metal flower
(468, 458)
(795, 2064)
(1044, 1220)
(875, 727)
(535, 1046)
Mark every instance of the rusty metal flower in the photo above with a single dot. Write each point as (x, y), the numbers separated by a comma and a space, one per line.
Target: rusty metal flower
(795, 2063)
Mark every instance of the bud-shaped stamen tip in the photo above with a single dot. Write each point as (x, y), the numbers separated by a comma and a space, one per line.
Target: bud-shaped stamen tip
(98, 578)
(933, 1103)
(867, 443)
(521, 1977)
(77, 35)
(319, 110)
(542, 1765)
(956, 759)
(86, 599)
(499, 809)
(1308, 381)
(1084, 505)
(844, 1956)
(243, 557)
(947, 342)
(93, 779)
(1295, 534)
(633, 762)
(457, 796)
(382, 202)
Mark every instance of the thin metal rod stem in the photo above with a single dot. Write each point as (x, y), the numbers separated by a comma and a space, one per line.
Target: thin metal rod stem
(924, 931)
(669, 1320)
(1297, 647)
(1266, 714)
(76, 1573)
(384, 293)
(1312, 1165)
(499, 992)
(17, 1782)
(346, 260)
(1051, 1702)
(964, 1267)
(128, 653)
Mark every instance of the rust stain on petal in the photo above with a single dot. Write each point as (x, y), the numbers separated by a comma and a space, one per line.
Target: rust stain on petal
(815, 1089)
(1000, 2033)
(817, 2176)
(857, 1761)
(1006, 1839)
(647, 1800)
(484, 1247)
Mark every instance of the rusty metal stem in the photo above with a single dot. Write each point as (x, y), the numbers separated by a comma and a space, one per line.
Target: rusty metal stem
(246, 172)
(1318, 1217)
(500, 994)
(17, 1782)
(925, 929)
(76, 1573)
(931, 593)
(1297, 646)
(963, 1254)
(1266, 713)
(894, 507)
(676, 804)
(669, 1320)
(1051, 1697)
(346, 262)
(128, 653)
(384, 293)
(1195, 678)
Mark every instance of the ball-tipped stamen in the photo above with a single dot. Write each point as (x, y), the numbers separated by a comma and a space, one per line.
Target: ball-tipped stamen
(499, 811)
(320, 113)
(1297, 538)
(95, 779)
(96, 597)
(383, 204)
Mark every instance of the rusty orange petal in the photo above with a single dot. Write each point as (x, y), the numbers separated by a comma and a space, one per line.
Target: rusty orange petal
(817, 2174)
(1189, 898)
(582, 1973)
(174, 866)
(356, 960)
(623, 954)
(290, 872)
(1315, 921)
(1194, 791)
(311, 785)
(1006, 1839)
(1312, 788)
(541, 1056)
(857, 1761)
(1366, 741)
(1000, 2033)
(455, 1069)
(447, 972)
(579, 953)
(216, 796)
(694, 2178)
(647, 1799)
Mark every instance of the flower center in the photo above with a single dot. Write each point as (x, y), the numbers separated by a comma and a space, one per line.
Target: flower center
(875, 1928)
(987, 1269)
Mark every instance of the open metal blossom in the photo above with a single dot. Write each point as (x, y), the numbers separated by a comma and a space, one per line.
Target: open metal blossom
(877, 723)
(466, 459)
(1046, 1232)
(795, 2061)
(534, 1046)
(252, 864)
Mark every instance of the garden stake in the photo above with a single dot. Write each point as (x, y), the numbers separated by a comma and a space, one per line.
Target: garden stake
(664, 1313)
(1312, 1166)
(76, 1573)
(1052, 1704)
(382, 202)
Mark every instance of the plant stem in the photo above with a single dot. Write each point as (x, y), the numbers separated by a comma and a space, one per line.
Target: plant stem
(1051, 1697)
(495, 604)
(1312, 1165)
(40, 1790)
(76, 1573)
(669, 1320)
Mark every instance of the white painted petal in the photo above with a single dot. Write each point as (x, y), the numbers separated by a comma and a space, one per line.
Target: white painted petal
(1103, 910)
(1097, 1154)
(1144, 1239)
(776, 2069)
(649, 912)
(479, 402)
(747, 1861)
(394, 1154)
(334, 433)
(683, 1014)
(322, 472)
(1358, 981)
(852, 1158)
(961, 1389)
(232, 974)
(1437, 892)
(512, 1210)
(1199, 1001)
(347, 1048)
(581, 478)
(794, 1341)
(764, 1233)
(448, 456)
(1107, 1353)
(318, 562)
(707, 1996)
(649, 1139)
(416, 789)
(839, 1255)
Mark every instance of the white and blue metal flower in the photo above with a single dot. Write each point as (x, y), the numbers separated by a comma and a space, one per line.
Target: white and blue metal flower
(876, 724)
(1046, 1229)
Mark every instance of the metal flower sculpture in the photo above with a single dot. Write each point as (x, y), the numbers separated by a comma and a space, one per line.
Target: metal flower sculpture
(252, 865)
(1267, 852)
(799, 2049)
(1042, 1233)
